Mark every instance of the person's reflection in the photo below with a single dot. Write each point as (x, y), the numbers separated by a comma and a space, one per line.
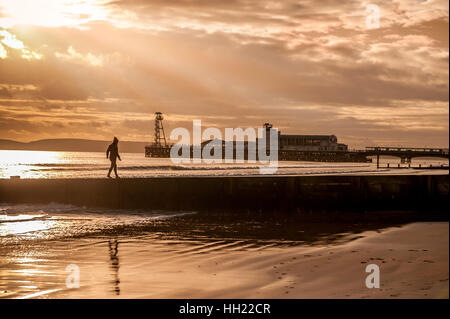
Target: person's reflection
(113, 251)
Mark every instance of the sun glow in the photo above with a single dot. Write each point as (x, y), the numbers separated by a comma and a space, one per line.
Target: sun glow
(25, 159)
(25, 227)
(51, 13)
(10, 40)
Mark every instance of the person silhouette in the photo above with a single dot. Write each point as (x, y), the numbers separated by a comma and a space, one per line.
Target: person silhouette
(113, 153)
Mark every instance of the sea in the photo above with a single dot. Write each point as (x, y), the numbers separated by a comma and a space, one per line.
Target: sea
(42, 164)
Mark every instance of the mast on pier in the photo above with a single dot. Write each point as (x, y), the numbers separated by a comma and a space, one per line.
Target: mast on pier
(160, 136)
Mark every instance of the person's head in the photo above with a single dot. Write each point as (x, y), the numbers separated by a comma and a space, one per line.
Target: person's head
(116, 140)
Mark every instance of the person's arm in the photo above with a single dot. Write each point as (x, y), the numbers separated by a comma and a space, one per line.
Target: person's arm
(118, 155)
(107, 151)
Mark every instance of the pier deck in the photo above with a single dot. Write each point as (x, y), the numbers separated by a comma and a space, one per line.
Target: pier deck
(356, 156)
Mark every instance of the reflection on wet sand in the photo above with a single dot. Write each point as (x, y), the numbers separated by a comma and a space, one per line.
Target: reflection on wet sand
(203, 255)
(258, 230)
(113, 245)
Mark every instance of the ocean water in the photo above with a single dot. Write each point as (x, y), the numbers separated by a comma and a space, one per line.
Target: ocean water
(20, 223)
(41, 164)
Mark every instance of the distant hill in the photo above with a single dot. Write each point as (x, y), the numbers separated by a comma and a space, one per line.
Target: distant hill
(72, 145)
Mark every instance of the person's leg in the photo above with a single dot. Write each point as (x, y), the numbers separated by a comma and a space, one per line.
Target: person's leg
(115, 169)
(110, 169)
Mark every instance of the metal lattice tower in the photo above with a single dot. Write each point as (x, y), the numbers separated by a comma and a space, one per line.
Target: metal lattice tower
(267, 127)
(159, 130)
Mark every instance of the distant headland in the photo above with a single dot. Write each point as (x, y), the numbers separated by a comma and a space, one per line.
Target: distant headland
(70, 145)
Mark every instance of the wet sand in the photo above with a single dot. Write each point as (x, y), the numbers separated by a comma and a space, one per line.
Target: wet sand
(413, 261)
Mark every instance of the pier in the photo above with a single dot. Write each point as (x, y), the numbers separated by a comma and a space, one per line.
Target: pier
(316, 148)
(357, 156)
(405, 154)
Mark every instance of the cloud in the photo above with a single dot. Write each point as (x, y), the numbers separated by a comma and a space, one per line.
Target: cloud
(272, 19)
(307, 66)
(73, 55)
(3, 52)
(10, 41)
(95, 60)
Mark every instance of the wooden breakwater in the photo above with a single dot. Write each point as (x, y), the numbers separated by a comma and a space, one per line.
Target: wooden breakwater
(259, 193)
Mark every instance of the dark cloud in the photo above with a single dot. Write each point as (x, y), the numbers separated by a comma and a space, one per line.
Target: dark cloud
(62, 90)
(4, 93)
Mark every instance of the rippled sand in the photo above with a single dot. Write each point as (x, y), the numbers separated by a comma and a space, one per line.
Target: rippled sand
(413, 261)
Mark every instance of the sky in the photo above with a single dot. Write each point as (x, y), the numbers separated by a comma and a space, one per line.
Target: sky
(98, 68)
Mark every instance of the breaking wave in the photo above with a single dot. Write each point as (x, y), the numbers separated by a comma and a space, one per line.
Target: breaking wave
(21, 222)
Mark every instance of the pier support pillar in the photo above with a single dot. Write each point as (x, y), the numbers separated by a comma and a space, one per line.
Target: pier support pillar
(405, 160)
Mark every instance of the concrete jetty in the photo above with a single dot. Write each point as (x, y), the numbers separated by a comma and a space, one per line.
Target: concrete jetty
(258, 193)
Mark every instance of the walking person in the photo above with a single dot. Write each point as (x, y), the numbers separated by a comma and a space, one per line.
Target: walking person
(113, 153)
